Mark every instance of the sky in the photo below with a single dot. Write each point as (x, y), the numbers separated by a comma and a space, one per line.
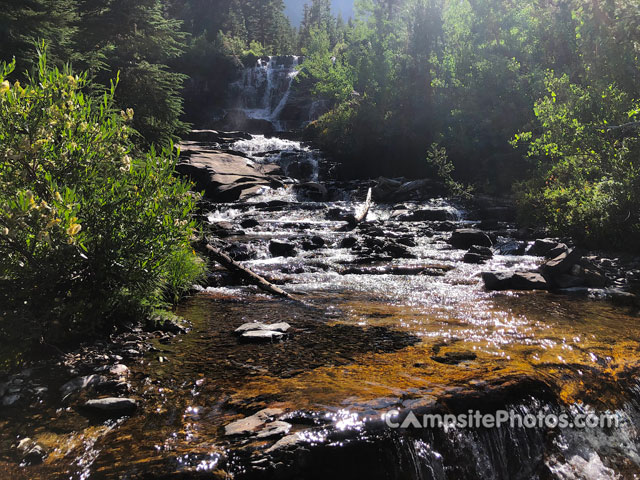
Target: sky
(294, 9)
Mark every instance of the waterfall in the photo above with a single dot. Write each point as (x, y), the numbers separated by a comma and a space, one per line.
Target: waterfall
(264, 89)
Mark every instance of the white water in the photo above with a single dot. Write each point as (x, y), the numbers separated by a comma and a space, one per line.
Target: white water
(265, 88)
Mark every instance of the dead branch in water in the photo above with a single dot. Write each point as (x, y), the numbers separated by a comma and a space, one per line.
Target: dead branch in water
(354, 220)
(251, 277)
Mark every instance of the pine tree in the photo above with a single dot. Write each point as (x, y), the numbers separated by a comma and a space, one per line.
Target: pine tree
(136, 40)
(24, 23)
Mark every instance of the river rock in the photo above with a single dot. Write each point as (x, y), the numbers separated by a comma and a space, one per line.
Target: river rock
(249, 425)
(214, 136)
(82, 383)
(348, 242)
(314, 243)
(465, 238)
(111, 407)
(542, 246)
(385, 189)
(249, 223)
(281, 327)
(511, 247)
(274, 429)
(514, 281)
(423, 215)
(226, 177)
(259, 336)
(561, 264)
(278, 248)
(477, 254)
(30, 452)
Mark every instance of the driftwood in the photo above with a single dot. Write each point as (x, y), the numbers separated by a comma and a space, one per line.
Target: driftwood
(354, 220)
(249, 276)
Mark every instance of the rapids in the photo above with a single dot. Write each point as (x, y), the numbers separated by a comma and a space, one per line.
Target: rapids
(361, 344)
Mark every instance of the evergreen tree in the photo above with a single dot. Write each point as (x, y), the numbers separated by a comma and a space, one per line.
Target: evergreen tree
(23, 23)
(136, 40)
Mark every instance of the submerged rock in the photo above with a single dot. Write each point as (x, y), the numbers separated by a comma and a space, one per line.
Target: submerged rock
(112, 407)
(514, 281)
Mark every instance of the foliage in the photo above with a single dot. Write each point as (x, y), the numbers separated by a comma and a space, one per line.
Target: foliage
(588, 181)
(443, 168)
(91, 232)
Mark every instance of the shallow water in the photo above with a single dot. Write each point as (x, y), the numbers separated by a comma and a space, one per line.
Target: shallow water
(361, 345)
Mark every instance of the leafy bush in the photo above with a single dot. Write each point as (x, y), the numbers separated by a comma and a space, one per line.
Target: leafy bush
(91, 231)
(588, 177)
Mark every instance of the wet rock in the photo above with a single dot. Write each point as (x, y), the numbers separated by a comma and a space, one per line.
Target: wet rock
(111, 407)
(348, 242)
(274, 429)
(11, 399)
(249, 425)
(514, 281)
(512, 247)
(30, 452)
(282, 249)
(338, 214)
(249, 223)
(423, 215)
(119, 370)
(281, 327)
(226, 177)
(477, 254)
(241, 252)
(259, 336)
(82, 383)
(559, 249)
(454, 358)
(621, 297)
(165, 324)
(561, 264)
(395, 250)
(290, 441)
(541, 247)
(314, 243)
(407, 241)
(467, 237)
(213, 136)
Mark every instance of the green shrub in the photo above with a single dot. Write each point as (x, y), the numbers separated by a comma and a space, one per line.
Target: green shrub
(587, 183)
(91, 231)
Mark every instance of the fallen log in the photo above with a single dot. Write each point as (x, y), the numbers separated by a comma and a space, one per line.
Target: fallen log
(355, 219)
(246, 274)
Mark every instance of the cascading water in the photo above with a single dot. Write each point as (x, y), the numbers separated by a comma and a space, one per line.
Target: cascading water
(264, 89)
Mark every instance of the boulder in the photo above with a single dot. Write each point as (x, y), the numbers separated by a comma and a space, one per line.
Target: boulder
(541, 247)
(385, 189)
(259, 336)
(282, 249)
(514, 281)
(561, 264)
(423, 215)
(226, 177)
(465, 238)
(111, 407)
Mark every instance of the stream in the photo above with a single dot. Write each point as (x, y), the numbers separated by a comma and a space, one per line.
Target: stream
(389, 318)
(361, 344)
